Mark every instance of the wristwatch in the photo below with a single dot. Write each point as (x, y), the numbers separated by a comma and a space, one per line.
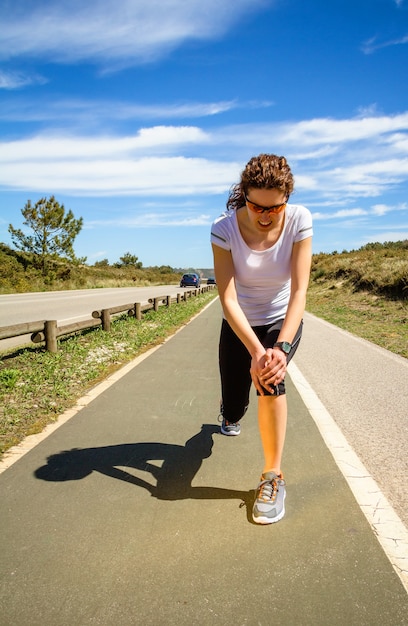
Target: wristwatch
(285, 346)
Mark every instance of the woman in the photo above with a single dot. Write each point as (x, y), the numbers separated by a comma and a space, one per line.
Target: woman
(262, 254)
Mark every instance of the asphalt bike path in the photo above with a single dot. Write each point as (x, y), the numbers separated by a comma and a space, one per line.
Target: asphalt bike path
(138, 511)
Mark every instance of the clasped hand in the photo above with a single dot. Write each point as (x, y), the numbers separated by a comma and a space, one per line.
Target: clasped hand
(268, 369)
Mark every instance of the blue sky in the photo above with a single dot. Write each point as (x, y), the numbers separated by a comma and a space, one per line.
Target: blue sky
(139, 116)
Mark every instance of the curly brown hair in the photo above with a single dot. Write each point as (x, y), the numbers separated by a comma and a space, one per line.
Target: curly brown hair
(265, 171)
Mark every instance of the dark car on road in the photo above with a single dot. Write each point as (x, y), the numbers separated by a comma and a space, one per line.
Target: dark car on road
(211, 281)
(190, 280)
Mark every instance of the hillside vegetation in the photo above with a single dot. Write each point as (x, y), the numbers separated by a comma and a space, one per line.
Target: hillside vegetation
(381, 269)
(365, 292)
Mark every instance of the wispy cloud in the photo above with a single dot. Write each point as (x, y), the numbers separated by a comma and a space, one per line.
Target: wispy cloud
(99, 111)
(16, 80)
(150, 220)
(383, 209)
(320, 138)
(376, 210)
(343, 213)
(333, 131)
(372, 45)
(140, 32)
(387, 235)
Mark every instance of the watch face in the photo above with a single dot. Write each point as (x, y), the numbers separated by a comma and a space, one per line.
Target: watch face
(284, 345)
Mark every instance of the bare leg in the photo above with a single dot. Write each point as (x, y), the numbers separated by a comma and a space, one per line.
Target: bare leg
(272, 418)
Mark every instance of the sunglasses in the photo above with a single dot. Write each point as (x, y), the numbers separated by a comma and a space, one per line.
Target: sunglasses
(257, 208)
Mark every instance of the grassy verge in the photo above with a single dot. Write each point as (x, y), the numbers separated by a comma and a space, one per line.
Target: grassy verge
(36, 386)
(370, 316)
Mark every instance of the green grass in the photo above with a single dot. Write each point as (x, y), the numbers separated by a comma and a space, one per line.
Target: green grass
(37, 386)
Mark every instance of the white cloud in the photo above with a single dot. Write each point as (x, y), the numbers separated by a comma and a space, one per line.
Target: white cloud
(52, 148)
(322, 141)
(150, 220)
(158, 176)
(16, 80)
(383, 209)
(398, 142)
(97, 31)
(374, 172)
(378, 210)
(331, 131)
(343, 213)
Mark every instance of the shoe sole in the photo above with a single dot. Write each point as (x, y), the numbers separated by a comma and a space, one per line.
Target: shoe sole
(229, 433)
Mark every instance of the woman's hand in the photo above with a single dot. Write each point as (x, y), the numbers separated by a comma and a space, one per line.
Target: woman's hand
(269, 370)
(258, 364)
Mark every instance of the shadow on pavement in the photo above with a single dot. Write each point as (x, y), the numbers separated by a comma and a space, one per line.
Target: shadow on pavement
(173, 479)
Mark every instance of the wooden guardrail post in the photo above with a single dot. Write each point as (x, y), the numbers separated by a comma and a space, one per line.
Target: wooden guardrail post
(138, 311)
(106, 320)
(50, 332)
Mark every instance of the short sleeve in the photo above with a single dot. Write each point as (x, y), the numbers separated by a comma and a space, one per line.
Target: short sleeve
(220, 235)
(304, 224)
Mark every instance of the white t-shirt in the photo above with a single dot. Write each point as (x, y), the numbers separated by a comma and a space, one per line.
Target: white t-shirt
(262, 278)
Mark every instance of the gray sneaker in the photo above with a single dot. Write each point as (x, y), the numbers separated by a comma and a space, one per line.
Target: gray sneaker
(269, 505)
(230, 428)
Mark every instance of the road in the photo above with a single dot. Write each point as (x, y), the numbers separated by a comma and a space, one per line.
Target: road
(69, 306)
(75, 305)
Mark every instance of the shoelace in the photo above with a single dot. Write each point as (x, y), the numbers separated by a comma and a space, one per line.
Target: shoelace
(268, 490)
(269, 487)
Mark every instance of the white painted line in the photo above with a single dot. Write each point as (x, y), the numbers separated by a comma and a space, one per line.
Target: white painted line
(14, 454)
(384, 521)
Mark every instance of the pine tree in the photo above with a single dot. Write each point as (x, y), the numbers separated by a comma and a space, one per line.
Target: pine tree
(53, 231)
